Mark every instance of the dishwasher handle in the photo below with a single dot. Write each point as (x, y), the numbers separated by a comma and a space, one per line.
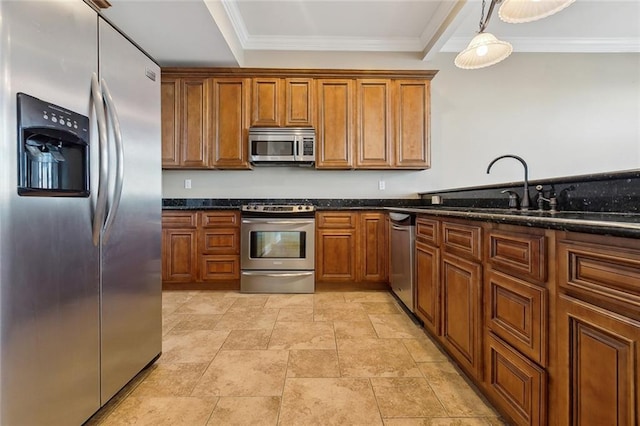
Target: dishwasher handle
(401, 228)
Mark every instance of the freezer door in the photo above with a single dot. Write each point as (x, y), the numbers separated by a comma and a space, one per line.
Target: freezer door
(131, 282)
(49, 294)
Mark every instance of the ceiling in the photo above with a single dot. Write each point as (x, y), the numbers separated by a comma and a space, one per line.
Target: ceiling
(222, 32)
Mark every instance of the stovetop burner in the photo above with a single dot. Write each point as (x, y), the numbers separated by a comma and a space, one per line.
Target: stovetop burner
(279, 208)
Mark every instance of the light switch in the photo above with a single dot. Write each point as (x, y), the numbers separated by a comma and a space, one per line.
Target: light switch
(187, 184)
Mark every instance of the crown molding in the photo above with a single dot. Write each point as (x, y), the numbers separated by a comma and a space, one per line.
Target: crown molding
(557, 45)
(237, 21)
(408, 44)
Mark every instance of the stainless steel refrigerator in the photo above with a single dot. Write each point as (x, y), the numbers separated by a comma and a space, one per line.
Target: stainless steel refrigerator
(80, 227)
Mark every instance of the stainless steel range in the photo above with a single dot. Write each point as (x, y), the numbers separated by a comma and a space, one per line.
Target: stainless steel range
(278, 249)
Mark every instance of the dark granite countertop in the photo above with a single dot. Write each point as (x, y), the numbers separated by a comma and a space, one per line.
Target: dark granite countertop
(617, 224)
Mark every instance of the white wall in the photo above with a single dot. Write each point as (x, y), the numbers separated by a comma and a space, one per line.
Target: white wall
(566, 114)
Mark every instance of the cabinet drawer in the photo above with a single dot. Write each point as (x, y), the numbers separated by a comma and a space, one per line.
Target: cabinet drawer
(427, 230)
(215, 268)
(517, 384)
(516, 311)
(604, 275)
(220, 241)
(522, 255)
(219, 219)
(179, 219)
(462, 239)
(340, 220)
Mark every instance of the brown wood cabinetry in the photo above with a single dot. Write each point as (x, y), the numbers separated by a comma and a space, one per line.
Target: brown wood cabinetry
(335, 124)
(179, 247)
(428, 273)
(185, 122)
(230, 125)
(363, 119)
(374, 132)
(351, 247)
(516, 319)
(412, 123)
(201, 247)
(461, 282)
(551, 334)
(598, 331)
(281, 102)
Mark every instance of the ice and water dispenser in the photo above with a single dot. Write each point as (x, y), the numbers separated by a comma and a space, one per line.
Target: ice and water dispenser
(53, 150)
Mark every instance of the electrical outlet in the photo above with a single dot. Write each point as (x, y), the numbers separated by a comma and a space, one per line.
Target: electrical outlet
(381, 185)
(436, 199)
(187, 184)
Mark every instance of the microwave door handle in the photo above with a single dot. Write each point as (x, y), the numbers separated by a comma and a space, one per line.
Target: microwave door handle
(296, 148)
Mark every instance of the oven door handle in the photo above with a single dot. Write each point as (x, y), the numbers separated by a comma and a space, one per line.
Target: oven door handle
(278, 222)
(276, 275)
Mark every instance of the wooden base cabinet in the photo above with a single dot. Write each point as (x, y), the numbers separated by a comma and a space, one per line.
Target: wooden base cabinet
(599, 352)
(179, 246)
(461, 282)
(519, 385)
(598, 330)
(201, 247)
(351, 247)
(428, 286)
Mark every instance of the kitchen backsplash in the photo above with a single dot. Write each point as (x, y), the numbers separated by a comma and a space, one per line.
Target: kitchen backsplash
(604, 192)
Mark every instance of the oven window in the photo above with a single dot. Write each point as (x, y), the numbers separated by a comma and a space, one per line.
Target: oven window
(277, 244)
(279, 148)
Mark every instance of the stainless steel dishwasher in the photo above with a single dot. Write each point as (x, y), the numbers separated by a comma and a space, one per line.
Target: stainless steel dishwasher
(401, 275)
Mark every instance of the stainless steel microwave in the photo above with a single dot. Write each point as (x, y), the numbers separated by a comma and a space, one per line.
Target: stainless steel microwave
(294, 146)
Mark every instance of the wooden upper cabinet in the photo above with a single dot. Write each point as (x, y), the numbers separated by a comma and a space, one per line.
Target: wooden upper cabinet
(230, 123)
(196, 114)
(170, 122)
(185, 122)
(334, 145)
(412, 120)
(282, 102)
(374, 140)
(299, 102)
(267, 102)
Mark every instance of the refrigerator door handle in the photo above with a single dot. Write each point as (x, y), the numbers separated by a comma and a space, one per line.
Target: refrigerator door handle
(101, 199)
(119, 181)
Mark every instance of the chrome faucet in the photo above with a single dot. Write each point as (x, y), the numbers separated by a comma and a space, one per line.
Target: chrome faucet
(525, 203)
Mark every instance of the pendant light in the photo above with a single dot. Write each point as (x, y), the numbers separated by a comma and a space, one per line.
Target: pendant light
(520, 11)
(484, 49)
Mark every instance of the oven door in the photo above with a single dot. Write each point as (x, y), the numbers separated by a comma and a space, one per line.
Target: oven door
(278, 244)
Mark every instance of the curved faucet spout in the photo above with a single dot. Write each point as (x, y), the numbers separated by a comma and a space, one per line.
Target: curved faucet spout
(525, 196)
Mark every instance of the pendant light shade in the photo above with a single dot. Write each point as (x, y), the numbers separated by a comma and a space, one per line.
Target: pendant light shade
(520, 11)
(483, 50)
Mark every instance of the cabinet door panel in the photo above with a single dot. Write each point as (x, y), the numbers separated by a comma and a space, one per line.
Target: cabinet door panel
(412, 99)
(521, 255)
(462, 239)
(374, 125)
(170, 119)
(180, 255)
(336, 255)
(299, 102)
(216, 268)
(231, 123)
(267, 100)
(600, 381)
(374, 247)
(335, 124)
(461, 304)
(428, 286)
(519, 385)
(195, 123)
(516, 311)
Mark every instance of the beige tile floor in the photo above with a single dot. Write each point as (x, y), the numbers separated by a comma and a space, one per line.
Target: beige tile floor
(319, 359)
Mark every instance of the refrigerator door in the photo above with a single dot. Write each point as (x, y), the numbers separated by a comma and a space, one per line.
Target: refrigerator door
(131, 281)
(49, 267)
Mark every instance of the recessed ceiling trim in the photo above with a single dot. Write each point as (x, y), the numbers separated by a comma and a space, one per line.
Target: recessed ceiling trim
(558, 45)
(334, 43)
(442, 14)
(237, 21)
